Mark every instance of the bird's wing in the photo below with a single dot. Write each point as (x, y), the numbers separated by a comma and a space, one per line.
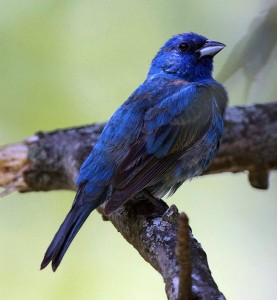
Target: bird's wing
(170, 128)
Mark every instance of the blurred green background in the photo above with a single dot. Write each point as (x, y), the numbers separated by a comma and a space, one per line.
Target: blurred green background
(65, 63)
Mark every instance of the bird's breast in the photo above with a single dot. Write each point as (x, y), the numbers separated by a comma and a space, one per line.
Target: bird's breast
(197, 158)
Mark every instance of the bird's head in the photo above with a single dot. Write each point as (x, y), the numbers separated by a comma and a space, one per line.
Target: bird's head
(187, 55)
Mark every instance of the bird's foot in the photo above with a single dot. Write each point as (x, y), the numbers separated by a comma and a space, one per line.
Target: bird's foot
(148, 205)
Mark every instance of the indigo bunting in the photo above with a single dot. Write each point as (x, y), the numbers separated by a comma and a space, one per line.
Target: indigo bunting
(167, 131)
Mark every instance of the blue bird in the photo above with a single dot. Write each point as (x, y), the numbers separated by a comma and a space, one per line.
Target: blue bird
(166, 132)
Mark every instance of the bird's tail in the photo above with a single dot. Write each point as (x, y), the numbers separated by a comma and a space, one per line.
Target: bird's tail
(66, 233)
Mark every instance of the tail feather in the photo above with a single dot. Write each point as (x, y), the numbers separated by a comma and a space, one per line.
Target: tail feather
(66, 233)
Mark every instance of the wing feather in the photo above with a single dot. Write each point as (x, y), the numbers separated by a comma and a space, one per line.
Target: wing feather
(166, 136)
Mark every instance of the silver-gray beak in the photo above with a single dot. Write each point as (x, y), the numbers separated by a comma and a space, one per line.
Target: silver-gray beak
(210, 48)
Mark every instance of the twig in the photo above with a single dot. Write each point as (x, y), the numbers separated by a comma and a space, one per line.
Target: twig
(183, 258)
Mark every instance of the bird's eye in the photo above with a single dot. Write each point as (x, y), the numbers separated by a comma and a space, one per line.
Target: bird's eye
(183, 47)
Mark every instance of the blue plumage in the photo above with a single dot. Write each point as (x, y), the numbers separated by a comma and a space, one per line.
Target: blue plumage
(167, 131)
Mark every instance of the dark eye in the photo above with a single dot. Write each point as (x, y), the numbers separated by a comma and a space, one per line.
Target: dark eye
(183, 46)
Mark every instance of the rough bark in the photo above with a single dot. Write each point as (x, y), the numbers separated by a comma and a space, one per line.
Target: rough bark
(249, 143)
(51, 160)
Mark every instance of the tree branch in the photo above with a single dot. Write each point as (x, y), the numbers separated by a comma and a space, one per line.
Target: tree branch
(249, 143)
(49, 161)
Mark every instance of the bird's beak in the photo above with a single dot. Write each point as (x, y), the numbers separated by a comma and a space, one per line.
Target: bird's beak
(210, 48)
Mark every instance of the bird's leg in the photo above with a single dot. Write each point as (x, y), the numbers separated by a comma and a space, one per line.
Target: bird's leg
(155, 201)
(146, 204)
